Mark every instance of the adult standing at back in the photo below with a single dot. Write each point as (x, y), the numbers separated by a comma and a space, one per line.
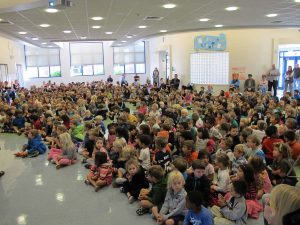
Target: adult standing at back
(175, 82)
(296, 76)
(288, 80)
(155, 77)
(249, 84)
(272, 77)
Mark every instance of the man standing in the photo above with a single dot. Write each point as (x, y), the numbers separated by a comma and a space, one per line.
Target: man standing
(155, 77)
(109, 79)
(272, 77)
(296, 76)
(249, 84)
(175, 82)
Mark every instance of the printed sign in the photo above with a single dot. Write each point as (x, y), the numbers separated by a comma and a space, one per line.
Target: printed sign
(211, 43)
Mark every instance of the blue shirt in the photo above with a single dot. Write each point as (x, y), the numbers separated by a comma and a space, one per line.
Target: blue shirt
(204, 217)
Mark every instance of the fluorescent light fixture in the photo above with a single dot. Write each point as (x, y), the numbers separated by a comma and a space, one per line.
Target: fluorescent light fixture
(51, 10)
(44, 25)
(297, 1)
(35, 39)
(96, 27)
(169, 6)
(204, 20)
(50, 46)
(1, 19)
(123, 41)
(232, 8)
(22, 32)
(129, 36)
(219, 25)
(67, 31)
(44, 43)
(142, 26)
(163, 31)
(108, 32)
(97, 18)
(83, 37)
(119, 44)
(272, 15)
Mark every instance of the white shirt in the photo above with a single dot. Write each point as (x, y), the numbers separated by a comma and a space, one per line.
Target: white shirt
(145, 158)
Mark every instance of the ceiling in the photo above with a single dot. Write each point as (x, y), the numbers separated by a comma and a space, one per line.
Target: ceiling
(122, 17)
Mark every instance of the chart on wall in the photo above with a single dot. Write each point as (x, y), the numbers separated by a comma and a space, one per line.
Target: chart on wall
(210, 68)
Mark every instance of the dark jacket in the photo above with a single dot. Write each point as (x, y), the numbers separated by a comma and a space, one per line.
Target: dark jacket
(158, 193)
(19, 122)
(137, 183)
(36, 144)
(199, 184)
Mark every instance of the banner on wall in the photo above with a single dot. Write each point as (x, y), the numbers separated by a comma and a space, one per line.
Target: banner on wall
(210, 43)
(238, 72)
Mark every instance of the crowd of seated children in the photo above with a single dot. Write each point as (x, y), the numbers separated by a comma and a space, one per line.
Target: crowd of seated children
(215, 149)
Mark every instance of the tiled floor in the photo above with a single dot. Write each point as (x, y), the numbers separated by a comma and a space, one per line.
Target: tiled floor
(33, 192)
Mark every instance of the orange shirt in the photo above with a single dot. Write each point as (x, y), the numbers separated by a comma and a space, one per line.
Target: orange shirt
(190, 159)
(295, 146)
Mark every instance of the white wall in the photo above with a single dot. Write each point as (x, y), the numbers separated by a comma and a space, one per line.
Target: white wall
(254, 49)
(12, 53)
(66, 75)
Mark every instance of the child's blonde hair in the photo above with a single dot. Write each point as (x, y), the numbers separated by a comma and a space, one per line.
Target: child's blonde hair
(132, 162)
(253, 138)
(239, 148)
(128, 152)
(66, 141)
(284, 199)
(174, 176)
(119, 144)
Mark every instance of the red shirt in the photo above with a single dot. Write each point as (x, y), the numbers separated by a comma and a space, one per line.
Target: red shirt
(268, 146)
(295, 146)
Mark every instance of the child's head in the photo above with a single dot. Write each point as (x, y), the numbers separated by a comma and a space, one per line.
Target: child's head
(188, 147)
(194, 201)
(203, 133)
(234, 131)
(257, 164)
(132, 166)
(33, 133)
(93, 133)
(261, 125)
(238, 188)
(253, 142)
(118, 144)
(226, 143)
(289, 136)
(281, 151)
(238, 151)
(180, 164)
(175, 181)
(155, 174)
(128, 152)
(222, 160)
(198, 168)
(272, 131)
(100, 158)
(99, 142)
(61, 129)
(111, 128)
(66, 141)
(161, 143)
(144, 129)
(144, 140)
(204, 156)
(184, 113)
(246, 172)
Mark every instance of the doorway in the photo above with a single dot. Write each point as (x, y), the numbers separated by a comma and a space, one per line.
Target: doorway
(164, 65)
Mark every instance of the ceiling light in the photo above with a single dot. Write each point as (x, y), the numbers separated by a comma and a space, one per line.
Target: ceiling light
(204, 20)
(96, 27)
(163, 31)
(272, 15)
(50, 46)
(51, 10)
(67, 31)
(1, 19)
(123, 41)
(44, 25)
(232, 8)
(297, 1)
(82, 37)
(108, 32)
(219, 25)
(97, 18)
(129, 36)
(142, 27)
(35, 39)
(44, 43)
(169, 6)
(22, 32)
(119, 44)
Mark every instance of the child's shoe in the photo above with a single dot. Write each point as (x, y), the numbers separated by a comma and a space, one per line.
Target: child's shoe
(97, 188)
(131, 199)
(87, 182)
(18, 154)
(141, 211)
(58, 166)
(33, 154)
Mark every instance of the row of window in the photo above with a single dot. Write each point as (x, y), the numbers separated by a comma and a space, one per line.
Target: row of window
(86, 59)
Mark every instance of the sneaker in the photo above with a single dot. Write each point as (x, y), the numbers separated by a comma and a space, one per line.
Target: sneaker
(122, 190)
(33, 154)
(87, 166)
(87, 182)
(97, 188)
(141, 211)
(120, 180)
(131, 200)
(58, 166)
(2, 173)
(84, 161)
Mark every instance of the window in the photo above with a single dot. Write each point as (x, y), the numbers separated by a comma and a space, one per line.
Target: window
(42, 62)
(86, 58)
(3, 72)
(130, 59)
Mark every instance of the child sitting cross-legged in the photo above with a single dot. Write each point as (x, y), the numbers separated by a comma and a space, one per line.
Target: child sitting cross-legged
(197, 181)
(234, 211)
(162, 156)
(135, 180)
(100, 174)
(172, 210)
(197, 213)
(239, 158)
(34, 147)
(154, 197)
